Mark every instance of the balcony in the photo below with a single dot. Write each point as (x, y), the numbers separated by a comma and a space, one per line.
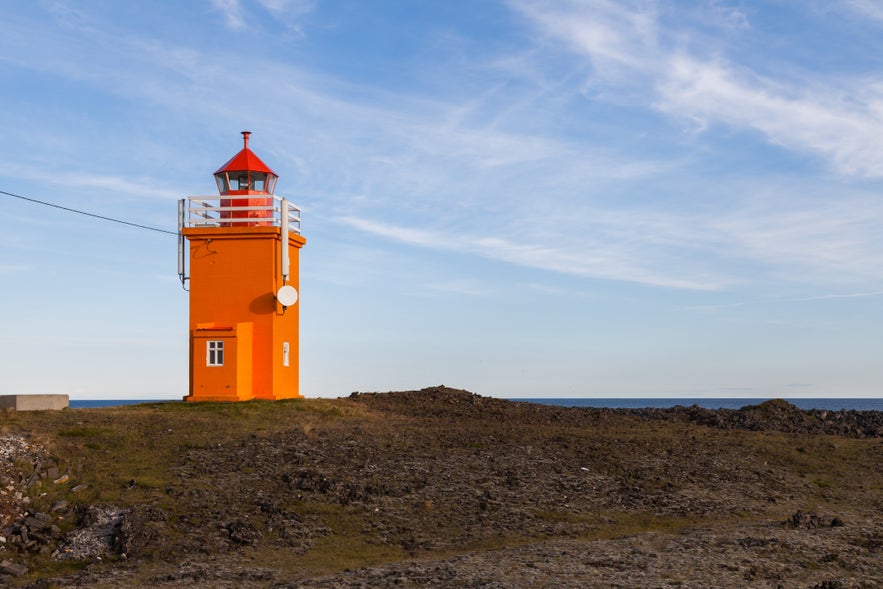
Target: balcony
(246, 210)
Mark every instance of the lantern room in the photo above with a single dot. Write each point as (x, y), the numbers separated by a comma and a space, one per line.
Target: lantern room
(251, 181)
(245, 173)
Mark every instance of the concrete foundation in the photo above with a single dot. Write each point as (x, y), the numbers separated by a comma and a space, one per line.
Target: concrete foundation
(34, 402)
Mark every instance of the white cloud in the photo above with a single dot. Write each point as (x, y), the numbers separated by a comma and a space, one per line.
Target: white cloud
(288, 8)
(868, 8)
(768, 234)
(117, 185)
(584, 259)
(839, 119)
(470, 288)
(850, 295)
(9, 269)
(612, 34)
(835, 238)
(232, 12)
(429, 165)
(821, 121)
(142, 187)
(288, 12)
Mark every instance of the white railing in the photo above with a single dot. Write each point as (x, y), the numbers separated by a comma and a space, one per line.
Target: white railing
(218, 211)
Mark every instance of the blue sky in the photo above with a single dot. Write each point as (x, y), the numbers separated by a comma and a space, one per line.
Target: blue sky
(519, 198)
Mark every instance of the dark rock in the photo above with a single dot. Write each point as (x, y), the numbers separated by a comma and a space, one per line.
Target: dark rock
(60, 505)
(140, 530)
(832, 584)
(802, 519)
(242, 532)
(38, 522)
(12, 568)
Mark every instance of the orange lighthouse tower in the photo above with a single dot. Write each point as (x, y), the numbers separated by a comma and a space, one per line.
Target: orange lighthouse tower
(243, 262)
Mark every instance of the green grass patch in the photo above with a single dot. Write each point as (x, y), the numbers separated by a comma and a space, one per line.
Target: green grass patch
(346, 547)
(82, 432)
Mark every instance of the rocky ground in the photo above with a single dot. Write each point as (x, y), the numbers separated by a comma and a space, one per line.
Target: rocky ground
(441, 488)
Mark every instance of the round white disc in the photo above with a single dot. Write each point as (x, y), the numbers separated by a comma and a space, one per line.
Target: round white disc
(287, 295)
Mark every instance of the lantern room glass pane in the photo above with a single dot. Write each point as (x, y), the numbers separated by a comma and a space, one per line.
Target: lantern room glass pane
(223, 185)
(258, 181)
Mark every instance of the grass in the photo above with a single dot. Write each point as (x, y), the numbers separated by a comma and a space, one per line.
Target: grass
(631, 523)
(107, 449)
(345, 547)
(82, 432)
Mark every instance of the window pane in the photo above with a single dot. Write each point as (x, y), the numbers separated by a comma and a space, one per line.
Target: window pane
(214, 353)
(257, 181)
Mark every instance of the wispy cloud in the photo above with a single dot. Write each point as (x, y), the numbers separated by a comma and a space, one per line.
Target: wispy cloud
(9, 269)
(850, 295)
(829, 123)
(118, 186)
(613, 35)
(766, 237)
(463, 287)
(289, 7)
(231, 11)
(868, 8)
(288, 12)
(823, 236)
(836, 118)
(577, 261)
(554, 290)
(493, 167)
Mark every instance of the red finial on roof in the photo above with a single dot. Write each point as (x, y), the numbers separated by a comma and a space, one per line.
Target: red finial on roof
(245, 135)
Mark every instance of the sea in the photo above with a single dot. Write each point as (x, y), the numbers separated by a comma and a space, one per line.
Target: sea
(828, 404)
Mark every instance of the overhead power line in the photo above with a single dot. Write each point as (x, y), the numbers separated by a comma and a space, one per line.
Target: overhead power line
(93, 215)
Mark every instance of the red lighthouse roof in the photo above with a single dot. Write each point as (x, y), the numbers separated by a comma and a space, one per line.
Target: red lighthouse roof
(245, 173)
(245, 160)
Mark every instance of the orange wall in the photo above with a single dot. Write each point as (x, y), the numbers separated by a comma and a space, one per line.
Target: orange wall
(234, 277)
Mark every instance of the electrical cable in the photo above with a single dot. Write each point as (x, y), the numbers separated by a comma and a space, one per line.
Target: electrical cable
(102, 217)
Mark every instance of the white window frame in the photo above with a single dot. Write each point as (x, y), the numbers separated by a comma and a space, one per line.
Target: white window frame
(214, 352)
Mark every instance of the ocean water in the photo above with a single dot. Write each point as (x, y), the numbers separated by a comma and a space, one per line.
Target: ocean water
(829, 404)
(87, 403)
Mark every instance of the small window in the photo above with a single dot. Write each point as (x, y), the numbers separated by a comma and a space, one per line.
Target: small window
(214, 353)
(285, 348)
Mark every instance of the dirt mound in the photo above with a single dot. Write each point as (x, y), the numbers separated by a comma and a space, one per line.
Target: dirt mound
(774, 415)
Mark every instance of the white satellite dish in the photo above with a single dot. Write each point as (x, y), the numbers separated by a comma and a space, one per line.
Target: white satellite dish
(287, 295)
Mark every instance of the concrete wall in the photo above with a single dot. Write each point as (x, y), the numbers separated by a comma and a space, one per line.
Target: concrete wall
(34, 402)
